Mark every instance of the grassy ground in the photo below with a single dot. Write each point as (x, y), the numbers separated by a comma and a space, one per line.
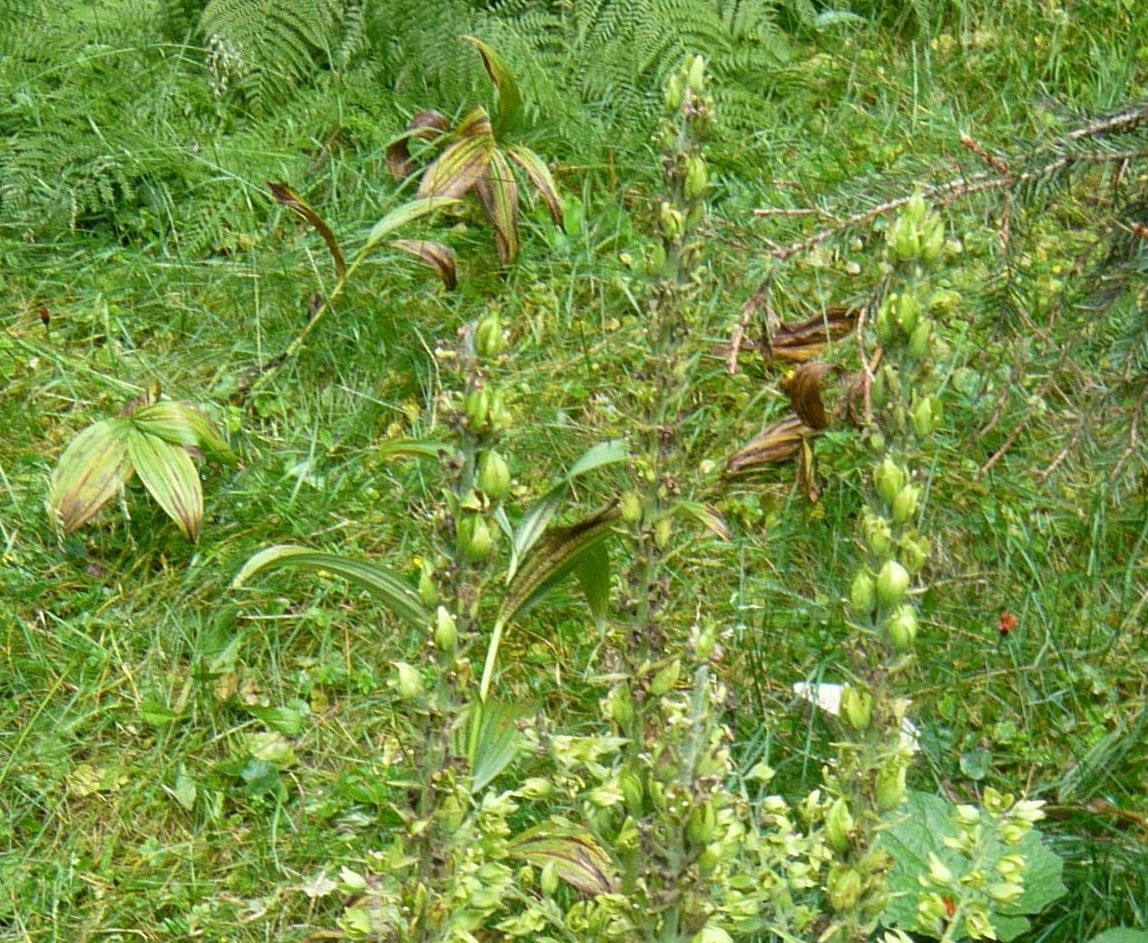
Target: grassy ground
(140, 693)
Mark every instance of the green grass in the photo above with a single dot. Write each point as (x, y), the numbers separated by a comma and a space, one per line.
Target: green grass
(133, 680)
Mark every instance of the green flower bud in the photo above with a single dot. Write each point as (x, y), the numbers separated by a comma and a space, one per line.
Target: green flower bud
(919, 339)
(671, 222)
(655, 259)
(915, 210)
(843, 887)
(901, 628)
(631, 507)
(666, 679)
(428, 591)
(709, 859)
(863, 594)
(493, 475)
(702, 824)
(978, 923)
(696, 178)
(876, 438)
(675, 94)
(696, 75)
(943, 300)
(474, 538)
(905, 504)
(445, 630)
(892, 584)
(885, 323)
(913, 553)
(838, 825)
(891, 786)
(548, 879)
(889, 477)
(908, 313)
(663, 532)
(620, 706)
(904, 241)
(477, 410)
(878, 534)
(632, 792)
(489, 341)
(857, 707)
(499, 414)
(925, 414)
(408, 681)
(1004, 892)
(933, 239)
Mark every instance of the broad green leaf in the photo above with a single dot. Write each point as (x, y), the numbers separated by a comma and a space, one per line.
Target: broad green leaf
(577, 858)
(593, 574)
(433, 254)
(287, 197)
(411, 448)
(401, 215)
(183, 424)
(391, 591)
(92, 470)
(498, 191)
(170, 477)
(538, 517)
(509, 98)
(551, 559)
(539, 175)
(458, 168)
(493, 741)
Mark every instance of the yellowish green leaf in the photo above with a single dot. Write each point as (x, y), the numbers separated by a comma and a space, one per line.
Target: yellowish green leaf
(539, 175)
(170, 477)
(498, 191)
(509, 98)
(183, 424)
(458, 168)
(92, 471)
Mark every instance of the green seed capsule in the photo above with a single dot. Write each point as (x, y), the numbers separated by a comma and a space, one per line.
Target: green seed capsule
(892, 584)
(857, 707)
(488, 338)
(889, 478)
(838, 825)
(477, 410)
(902, 628)
(493, 475)
(863, 594)
(697, 178)
(843, 887)
(445, 631)
(908, 313)
(905, 504)
(919, 339)
(675, 94)
(891, 786)
(665, 680)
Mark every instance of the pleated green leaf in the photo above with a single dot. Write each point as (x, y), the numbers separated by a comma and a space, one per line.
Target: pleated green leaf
(577, 858)
(509, 98)
(183, 424)
(498, 191)
(458, 168)
(92, 470)
(539, 175)
(170, 477)
(391, 591)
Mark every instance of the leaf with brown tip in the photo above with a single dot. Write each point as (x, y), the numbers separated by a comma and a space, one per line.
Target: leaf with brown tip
(577, 858)
(804, 392)
(170, 477)
(797, 343)
(183, 424)
(777, 443)
(426, 126)
(539, 175)
(509, 98)
(459, 167)
(92, 471)
(498, 191)
(287, 197)
(434, 254)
